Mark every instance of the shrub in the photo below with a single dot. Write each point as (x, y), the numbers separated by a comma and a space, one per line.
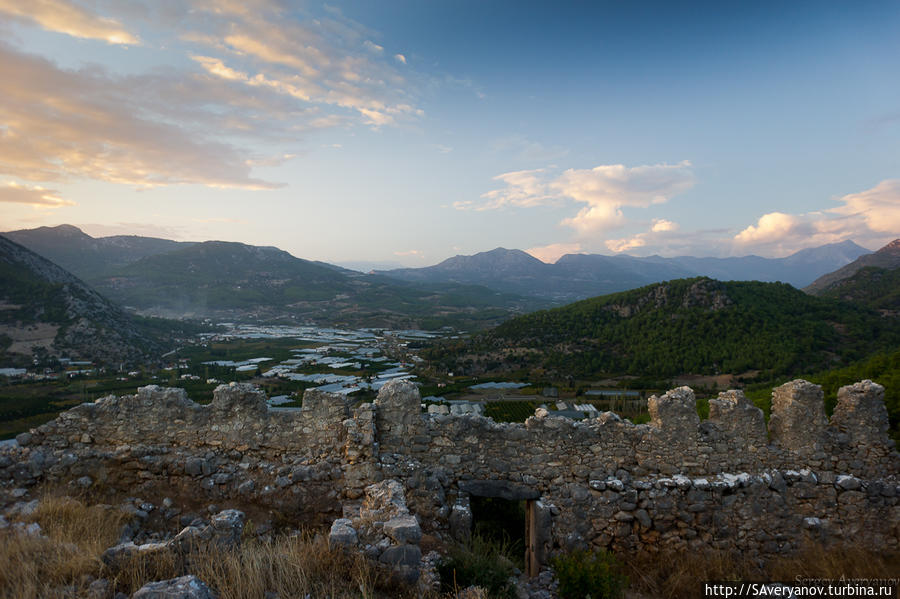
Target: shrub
(594, 575)
(479, 562)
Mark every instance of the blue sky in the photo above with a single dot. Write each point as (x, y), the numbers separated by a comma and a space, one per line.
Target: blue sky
(412, 131)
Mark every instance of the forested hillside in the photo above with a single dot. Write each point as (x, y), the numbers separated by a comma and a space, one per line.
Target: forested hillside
(877, 288)
(698, 326)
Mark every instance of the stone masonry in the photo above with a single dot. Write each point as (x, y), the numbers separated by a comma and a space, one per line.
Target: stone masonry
(676, 483)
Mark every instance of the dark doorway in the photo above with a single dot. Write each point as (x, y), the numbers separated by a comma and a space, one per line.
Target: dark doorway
(501, 522)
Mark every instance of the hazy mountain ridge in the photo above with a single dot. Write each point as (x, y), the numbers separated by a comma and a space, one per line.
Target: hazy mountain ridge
(89, 257)
(887, 258)
(577, 276)
(698, 326)
(238, 281)
(46, 306)
(227, 279)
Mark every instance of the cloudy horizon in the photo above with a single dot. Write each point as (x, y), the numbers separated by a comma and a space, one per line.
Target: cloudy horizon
(410, 132)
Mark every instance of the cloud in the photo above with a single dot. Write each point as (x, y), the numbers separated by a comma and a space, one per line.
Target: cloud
(373, 47)
(623, 245)
(879, 207)
(661, 225)
(554, 251)
(262, 72)
(604, 190)
(411, 253)
(38, 197)
(65, 17)
(770, 227)
(323, 60)
(660, 232)
(87, 123)
(400, 58)
(523, 188)
(872, 215)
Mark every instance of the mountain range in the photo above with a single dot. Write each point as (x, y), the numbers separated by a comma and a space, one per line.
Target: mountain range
(90, 257)
(46, 311)
(579, 276)
(235, 281)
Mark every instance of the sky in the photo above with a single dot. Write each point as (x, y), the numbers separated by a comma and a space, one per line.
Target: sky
(408, 131)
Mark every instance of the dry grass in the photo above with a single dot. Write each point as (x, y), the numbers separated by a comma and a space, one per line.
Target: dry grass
(290, 566)
(679, 575)
(36, 568)
(76, 536)
(296, 566)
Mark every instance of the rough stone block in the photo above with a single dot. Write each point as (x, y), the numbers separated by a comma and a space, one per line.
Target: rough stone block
(184, 587)
(401, 555)
(403, 529)
(342, 533)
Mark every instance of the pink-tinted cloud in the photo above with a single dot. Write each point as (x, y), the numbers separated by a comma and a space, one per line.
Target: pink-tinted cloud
(66, 17)
(35, 196)
(59, 124)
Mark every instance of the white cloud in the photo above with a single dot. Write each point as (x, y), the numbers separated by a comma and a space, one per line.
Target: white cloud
(879, 207)
(770, 227)
(604, 190)
(661, 225)
(62, 16)
(623, 245)
(373, 47)
(523, 188)
(411, 253)
(554, 251)
(400, 58)
(872, 215)
(35, 196)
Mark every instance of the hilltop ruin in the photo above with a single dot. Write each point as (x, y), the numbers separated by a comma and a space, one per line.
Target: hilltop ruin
(728, 482)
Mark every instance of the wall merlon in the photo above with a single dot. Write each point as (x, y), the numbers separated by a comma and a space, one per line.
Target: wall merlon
(797, 422)
(860, 411)
(238, 400)
(675, 412)
(733, 413)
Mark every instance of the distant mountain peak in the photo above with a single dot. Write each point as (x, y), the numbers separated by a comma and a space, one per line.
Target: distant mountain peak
(887, 257)
(891, 248)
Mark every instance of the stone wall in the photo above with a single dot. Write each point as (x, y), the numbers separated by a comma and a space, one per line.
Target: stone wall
(726, 482)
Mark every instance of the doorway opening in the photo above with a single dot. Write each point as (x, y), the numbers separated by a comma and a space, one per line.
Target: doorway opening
(502, 522)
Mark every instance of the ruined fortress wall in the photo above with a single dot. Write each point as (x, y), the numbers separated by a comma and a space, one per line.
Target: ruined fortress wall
(727, 482)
